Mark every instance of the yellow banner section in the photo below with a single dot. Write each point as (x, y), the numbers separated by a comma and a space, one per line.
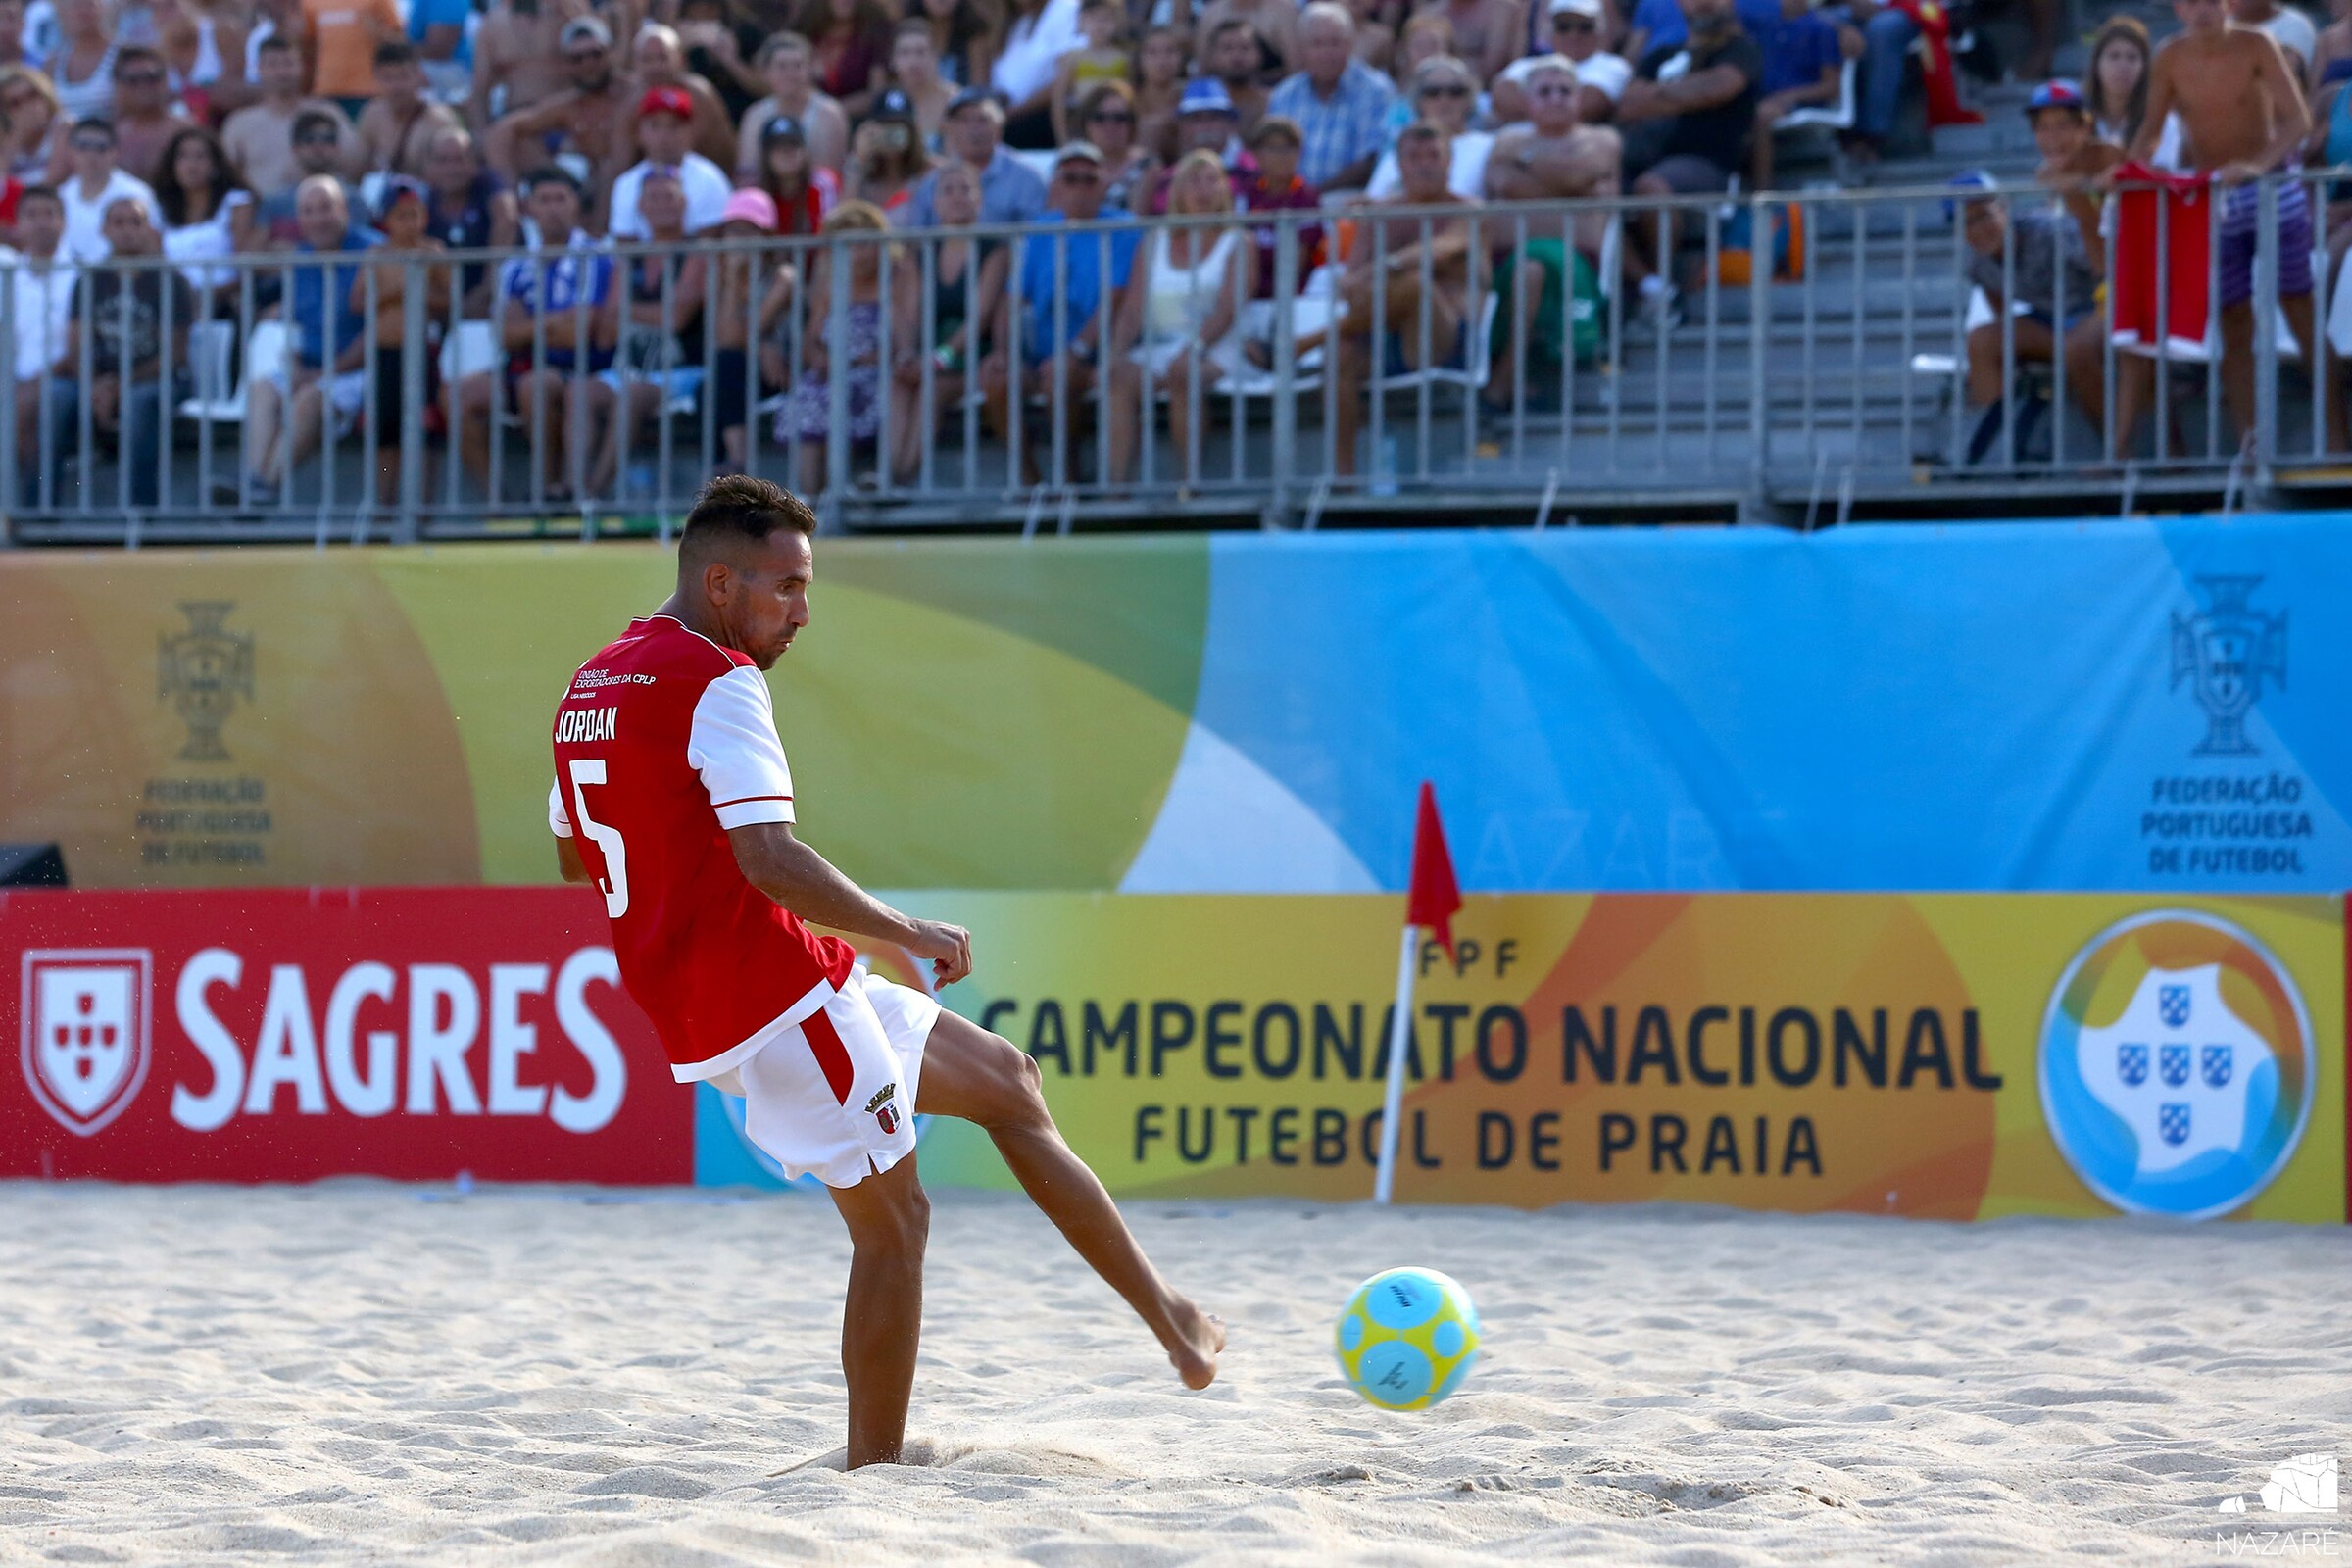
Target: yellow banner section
(1953, 1056)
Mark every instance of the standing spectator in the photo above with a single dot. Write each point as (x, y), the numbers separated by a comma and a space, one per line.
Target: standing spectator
(1009, 190)
(1694, 124)
(964, 34)
(340, 37)
(398, 124)
(1600, 76)
(666, 135)
(125, 312)
(850, 40)
(42, 281)
(1098, 60)
(887, 158)
(1275, 188)
(1233, 57)
(469, 210)
(1159, 88)
(658, 358)
(380, 294)
(966, 277)
(93, 188)
(260, 137)
(84, 69)
(784, 60)
(1274, 21)
(318, 138)
(145, 117)
(1108, 121)
(1341, 104)
(517, 58)
(749, 292)
(1208, 124)
(591, 120)
(1444, 95)
(914, 67)
(441, 32)
(802, 190)
(1028, 63)
(1196, 282)
(806, 418)
(328, 376)
(547, 294)
(36, 132)
(207, 213)
(1084, 322)
(1422, 273)
(660, 61)
(2118, 90)
(2291, 29)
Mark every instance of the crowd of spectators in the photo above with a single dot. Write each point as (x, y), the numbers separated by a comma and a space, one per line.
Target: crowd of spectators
(379, 130)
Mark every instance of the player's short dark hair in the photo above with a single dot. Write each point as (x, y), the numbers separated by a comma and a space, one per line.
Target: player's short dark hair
(739, 507)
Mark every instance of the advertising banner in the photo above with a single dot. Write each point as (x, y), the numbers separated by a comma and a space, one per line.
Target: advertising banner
(298, 1034)
(1950, 1057)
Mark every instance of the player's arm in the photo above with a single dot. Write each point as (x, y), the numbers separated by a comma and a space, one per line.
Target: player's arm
(568, 864)
(808, 884)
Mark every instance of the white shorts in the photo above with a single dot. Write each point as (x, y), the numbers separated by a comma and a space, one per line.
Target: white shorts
(833, 1095)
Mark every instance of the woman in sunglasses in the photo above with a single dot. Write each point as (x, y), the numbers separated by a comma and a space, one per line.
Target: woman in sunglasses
(1109, 118)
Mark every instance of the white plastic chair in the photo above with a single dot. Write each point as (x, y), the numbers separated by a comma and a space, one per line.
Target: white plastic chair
(1826, 117)
(1478, 358)
(210, 344)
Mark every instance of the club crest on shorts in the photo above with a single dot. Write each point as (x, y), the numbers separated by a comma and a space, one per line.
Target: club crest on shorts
(882, 1110)
(85, 1032)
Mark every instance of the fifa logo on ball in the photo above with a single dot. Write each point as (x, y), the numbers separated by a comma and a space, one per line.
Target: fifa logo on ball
(1408, 1338)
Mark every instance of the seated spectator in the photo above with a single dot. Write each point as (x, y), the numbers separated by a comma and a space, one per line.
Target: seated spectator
(1098, 60)
(1375, 39)
(398, 124)
(886, 156)
(1037, 34)
(1108, 121)
(84, 67)
(1399, 270)
(1553, 157)
(379, 294)
(93, 187)
(547, 299)
(2291, 29)
(1341, 104)
(1194, 283)
(749, 293)
(806, 418)
(2024, 260)
(963, 36)
(784, 60)
(719, 42)
(660, 60)
(850, 41)
(2073, 159)
(1690, 112)
(1160, 86)
(659, 357)
(145, 116)
(42, 281)
(35, 135)
(590, 121)
(1427, 35)
(125, 310)
(1804, 62)
(1887, 36)
(1085, 323)
(1206, 123)
(1009, 190)
(665, 136)
(802, 191)
(1444, 93)
(203, 44)
(914, 71)
(340, 37)
(1275, 22)
(260, 137)
(324, 376)
(469, 210)
(517, 58)
(2117, 91)
(443, 39)
(15, 48)
(1274, 186)
(967, 279)
(318, 150)
(207, 213)
(1232, 61)
(1600, 76)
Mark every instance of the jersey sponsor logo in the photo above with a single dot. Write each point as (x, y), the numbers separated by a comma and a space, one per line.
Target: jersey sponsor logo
(581, 725)
(590, 680)
(881, 1108)
(85, 1032)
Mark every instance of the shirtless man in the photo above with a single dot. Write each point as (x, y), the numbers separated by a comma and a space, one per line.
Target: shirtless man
(398, 125)
(517, 48)
(1424, 159)
(2245, 116)
(594, 119)
(1553, 156)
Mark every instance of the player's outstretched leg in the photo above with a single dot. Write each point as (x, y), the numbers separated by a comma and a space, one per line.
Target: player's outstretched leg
(980, 1077)
(889, 1219)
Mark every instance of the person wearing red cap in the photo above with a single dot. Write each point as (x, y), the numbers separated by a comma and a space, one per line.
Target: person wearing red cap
(666, 135)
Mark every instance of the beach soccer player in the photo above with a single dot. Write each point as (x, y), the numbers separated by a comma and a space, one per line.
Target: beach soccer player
(672, 796)
(2245, 116)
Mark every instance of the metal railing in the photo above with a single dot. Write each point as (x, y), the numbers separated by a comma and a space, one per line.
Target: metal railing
(1516, 369)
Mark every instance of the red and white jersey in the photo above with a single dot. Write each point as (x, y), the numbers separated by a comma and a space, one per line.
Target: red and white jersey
(664, 741)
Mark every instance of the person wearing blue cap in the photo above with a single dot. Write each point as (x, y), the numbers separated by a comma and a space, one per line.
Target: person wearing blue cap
(2028, 261)
(2073, 157)
(1205, 121)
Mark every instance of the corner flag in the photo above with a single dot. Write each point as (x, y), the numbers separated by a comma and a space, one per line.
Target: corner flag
(1431, 902)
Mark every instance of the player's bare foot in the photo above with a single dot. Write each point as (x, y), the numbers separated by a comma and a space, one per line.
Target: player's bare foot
(1194, 1340)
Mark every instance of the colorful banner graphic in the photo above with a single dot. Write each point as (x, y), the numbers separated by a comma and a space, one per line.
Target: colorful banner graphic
(292, 1034)
(2148, 705)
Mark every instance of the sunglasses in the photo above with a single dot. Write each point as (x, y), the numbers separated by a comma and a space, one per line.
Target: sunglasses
(313, 138)
(1574, 25)
(1079, 176)
(1112, 117)
(140, 79)
(1452, 91)
(92, 144)
(582, 57)
(1552, 92)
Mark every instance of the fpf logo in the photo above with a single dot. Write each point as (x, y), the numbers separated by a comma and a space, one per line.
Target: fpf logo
(84, 1046)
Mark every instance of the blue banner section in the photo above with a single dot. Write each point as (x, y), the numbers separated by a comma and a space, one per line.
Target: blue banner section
(2109, 706)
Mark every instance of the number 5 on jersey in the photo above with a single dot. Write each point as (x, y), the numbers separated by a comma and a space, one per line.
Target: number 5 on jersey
(587, 770)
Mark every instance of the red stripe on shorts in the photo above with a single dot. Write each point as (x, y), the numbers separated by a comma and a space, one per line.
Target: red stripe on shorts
(824, 1041)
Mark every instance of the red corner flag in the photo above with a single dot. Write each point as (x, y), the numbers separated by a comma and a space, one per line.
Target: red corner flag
(1433, 897)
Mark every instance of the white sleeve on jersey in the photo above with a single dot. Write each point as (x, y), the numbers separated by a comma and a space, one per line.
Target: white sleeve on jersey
(559, 820)
(733, 745)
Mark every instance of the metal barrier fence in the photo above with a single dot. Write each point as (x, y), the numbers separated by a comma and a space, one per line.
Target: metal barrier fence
(1516, 368)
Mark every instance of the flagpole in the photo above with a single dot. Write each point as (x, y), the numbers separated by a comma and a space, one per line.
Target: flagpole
(1400, 1029)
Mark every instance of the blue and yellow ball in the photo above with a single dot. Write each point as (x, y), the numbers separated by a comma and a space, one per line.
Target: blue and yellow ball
(1408, 1338)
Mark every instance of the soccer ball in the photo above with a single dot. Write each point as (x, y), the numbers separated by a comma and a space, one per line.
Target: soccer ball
(1408, 1338)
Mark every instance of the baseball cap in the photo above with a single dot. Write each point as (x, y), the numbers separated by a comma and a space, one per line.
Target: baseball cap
(1970, 181)
(589, 27)
(1576, 8)
(667, 101)
(751, 207)
(892, 105)
(1520, 69)
(395, 188)
(1206, 95)
(2057, 93)
(781, 128)
(1078, 151)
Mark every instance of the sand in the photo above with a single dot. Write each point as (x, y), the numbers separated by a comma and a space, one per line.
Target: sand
(363, 1373)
